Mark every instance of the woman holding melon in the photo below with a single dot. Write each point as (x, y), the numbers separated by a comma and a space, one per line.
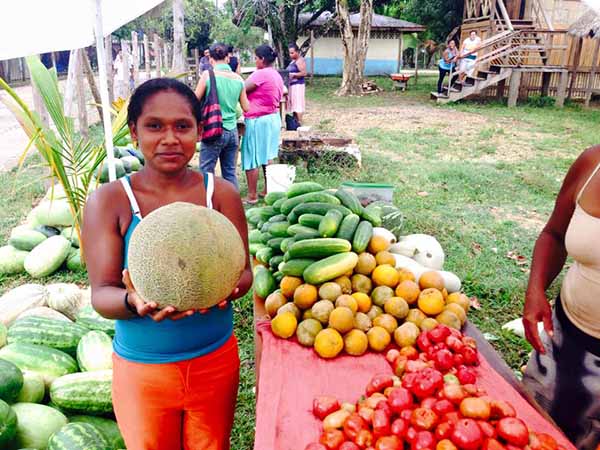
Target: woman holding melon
(564, 369)
(175, 373)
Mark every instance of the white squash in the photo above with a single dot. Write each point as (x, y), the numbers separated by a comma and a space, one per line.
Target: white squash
(12, 260)
(64, 298)
(404, 262)
(451, 281)
(423, 248)
(385, 233)
(47, 257)
(44, 311)
(14, 302)
(55, 213)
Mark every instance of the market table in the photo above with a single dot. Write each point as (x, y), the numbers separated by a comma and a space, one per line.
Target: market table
(290, 376)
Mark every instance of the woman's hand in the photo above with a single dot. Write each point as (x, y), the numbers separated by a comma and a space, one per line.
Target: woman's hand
(537, 309)
(151, 308)
(241, 289)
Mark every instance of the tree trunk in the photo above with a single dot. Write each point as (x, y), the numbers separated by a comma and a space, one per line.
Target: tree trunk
(178, 37)
(354, 48)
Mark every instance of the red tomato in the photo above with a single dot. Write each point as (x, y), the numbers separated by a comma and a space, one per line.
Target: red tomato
(445, 444)
(423, 342)
(391, 355)
(349, 446)
(415, 365)
(443, 360)
(428, 381)
(487, 429)
(439, 333)
(399, 428)
(381, 423)
(410, 352)
(459, 359)
(466, 375)
(388, 443)
(424, 419)
(513, 430)
(470, 355)
(443, 406)
(492, 444)
(399, 365)
(454, 344)
(364, 438)
(475, 408)
(409, 380)
(411, 434)
(443, 431)
(454, 393)
(428, 402)
(379, 382)
(400, 399)
(366, 413)
(452, 417)
(467, 435)
(332, 439)
(325, 405)
(315, 446)
(353, 424)
(406, 414)
(501, 409)
(542, 441)
(423, 440)
(384, 406)
(469, 341)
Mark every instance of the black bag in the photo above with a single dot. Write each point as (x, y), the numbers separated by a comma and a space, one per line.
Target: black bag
(212, 120)
(291, 124)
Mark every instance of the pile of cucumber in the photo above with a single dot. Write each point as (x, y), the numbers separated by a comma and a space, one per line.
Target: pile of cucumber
(308, 232)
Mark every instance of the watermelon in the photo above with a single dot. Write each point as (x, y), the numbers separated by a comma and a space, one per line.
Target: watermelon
(78, 436)
(8, 424)
(55, 192)
(36, 423)
(84, 392)
(33, 389)
(74, 260)
(132, 161)
(11, 381)
(94, 352)
(47, 257)
(55, 213)
(12, 260)
(140, 156)
(65, 298)
(44, 311)
(89, 318)
(52, 333)
(47, 231)
(3, 333)
(25, 239)
(102, 172)
(48, 362)
(71, 235)
(107, 427)
(14, 302)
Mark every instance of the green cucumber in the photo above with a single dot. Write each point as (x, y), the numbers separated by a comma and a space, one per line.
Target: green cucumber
(311, 197)
(318, 248)
(278, 203)
(275, 243)
(278, 277)
(310, 220)
(362, 236)
(264, 282)
(296, 229)
(266, 212)
(278, 218)
(330, 268)
(255, 246)
(279, 229)
(265, 237)
(263, 255)
(350, 201)
(286, 243)
(272, 197)
(305, 187)
(275, 261)
(254, 237)
(348, 227)
(330, 223)
(372, 213)
(296, 267)
(315, 208)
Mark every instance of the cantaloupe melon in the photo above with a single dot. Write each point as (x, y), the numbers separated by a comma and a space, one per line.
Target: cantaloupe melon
(186, 256)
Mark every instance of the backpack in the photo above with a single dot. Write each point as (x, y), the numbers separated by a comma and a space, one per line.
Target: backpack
(291, 124)
(212, 120)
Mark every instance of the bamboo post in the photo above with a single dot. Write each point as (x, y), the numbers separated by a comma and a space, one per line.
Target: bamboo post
(135, 54)
(89, 73)
(109, 68)
(561, 92)
(400, 45)
(81, 103)
(166, 58)
(513, 89)
(417, 64)
(590, 85)
(312, 53)
(74, 62)
(125, 61)
(576, 62)
(157, 55)
(147, 57)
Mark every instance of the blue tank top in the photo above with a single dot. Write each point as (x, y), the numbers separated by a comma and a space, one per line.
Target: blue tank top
(140, 339)
(293, 68)
(447, 66)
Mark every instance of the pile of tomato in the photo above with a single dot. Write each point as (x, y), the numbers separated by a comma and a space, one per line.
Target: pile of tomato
(431, 402)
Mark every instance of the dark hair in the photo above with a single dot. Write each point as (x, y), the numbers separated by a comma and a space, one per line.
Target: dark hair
(265, 52)
(230, 48)
(294, 46)
(154, 86)
(218, 51)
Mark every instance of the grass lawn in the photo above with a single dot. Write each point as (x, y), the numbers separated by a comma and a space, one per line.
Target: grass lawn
(479, 176)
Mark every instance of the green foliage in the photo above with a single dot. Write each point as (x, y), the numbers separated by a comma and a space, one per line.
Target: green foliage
(538, 101)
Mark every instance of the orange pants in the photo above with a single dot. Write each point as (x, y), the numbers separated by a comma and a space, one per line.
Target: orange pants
(183, 405)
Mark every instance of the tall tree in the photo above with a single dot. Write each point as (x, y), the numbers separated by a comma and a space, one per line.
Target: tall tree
(354, 47)
(178, 37)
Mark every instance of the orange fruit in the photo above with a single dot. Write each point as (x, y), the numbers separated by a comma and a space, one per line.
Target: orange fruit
(408, 290)
(321, 310)
(290, 307)
(397, 307)
(366, 264)
(385, 275)
(356, 342)
(405, 274)
(415, 316)
(363, 301)
(273, 302)
(460, 299)
(447, 317)
(386, 321)
(307, 314)
(284, 325)
(289, 284)
(348, 301)
(307, 332)
(305, 296)
(431, 279)
(385, 257)
(429, 324)
(374, 312)
(328, 343)
(341, 319)
(330, 291)
(378, 338)
(378, 244)
(431, 302)
(362, 322)
(458, 310)
(361, 283)
(345, 283)
(406, 334)
(380, 295)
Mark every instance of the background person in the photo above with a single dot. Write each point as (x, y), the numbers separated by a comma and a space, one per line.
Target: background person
(447, 64)
(564, 370)
(231, 91)
(297, 72)
(468, 54)
(234, 61)
(263, 122)
(205, 61)
(175, 373)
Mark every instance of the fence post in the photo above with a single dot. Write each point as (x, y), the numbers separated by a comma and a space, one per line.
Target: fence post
(135, 53)
(157, 55)
(109, 68)
(147, 57)
(514, 87)
(81, 100)
(124, 82)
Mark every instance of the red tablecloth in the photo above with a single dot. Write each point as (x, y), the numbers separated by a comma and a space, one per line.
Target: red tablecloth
(291, 376)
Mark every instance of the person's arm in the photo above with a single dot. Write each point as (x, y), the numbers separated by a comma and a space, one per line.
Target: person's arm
(244, 102)
(301, 64)
(550, 253)
(445, 57)
(249, 85)
(201, 87)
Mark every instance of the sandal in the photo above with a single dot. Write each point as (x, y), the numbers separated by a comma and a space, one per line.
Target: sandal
(248, 201)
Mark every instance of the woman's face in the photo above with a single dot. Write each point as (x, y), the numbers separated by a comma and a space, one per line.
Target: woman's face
(260, 62)
(166, 131)
(473, 34)
(452, 45)
(293, 53)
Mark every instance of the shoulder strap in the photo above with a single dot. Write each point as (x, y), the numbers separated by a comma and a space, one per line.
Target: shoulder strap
(594, 172)
(209, 186)
(135, 209)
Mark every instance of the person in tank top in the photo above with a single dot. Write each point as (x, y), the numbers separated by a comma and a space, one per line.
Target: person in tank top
(563, 373)
(297, 73)
(175, 373)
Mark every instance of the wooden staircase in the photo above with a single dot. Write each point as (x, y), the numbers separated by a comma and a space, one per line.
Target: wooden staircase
(473, 85)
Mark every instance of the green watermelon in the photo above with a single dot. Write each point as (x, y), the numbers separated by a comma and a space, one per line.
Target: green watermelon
(11, 381)
(74, 260)
(47, 257)
(55, 213)
(78, 436)
(107, 427)
(47, 231)
(48, 362)
(133, 162)
(12, 260)
(8, 424)
(33, 389)
(94, 352)
(102, 172)
(52, 333)
(36, 423)
(25, 239)
(71, 234)
(84, 392)
(89, 318)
